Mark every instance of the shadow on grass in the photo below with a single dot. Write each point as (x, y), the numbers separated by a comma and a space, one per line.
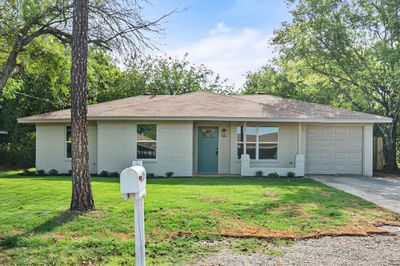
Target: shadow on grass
(18, 240)
(62, 218)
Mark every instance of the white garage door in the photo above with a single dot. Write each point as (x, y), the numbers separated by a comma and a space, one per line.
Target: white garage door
(334, 150)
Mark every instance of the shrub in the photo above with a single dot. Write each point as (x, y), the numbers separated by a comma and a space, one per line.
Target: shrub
(169, 174)
(104, 173)
(114, 174)
(27, 172)
(291, 174)
(273, 175)
(40, 172)
(53, 172)
(150, 175)
(259, 173)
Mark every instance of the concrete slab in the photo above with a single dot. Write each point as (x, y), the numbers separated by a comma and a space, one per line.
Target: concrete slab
(384, 192)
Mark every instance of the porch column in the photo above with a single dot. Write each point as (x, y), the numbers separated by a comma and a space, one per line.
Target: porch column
(245, 165)
(244, 137)
(301, 138)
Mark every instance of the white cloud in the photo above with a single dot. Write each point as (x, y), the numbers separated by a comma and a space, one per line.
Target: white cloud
(230, 52)
(220, 29)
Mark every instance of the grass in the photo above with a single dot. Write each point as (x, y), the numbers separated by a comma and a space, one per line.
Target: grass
(36, 227)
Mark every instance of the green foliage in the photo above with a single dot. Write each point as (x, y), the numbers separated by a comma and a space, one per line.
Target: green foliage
(181, 215)
(171, 76)
(169, 174)
(114, 174)
(259, 173)
(150, 175)
(273, 175)
(349, 47)
(40, 172)
(291, 174)
(104, 173)
(28, 172)
(53, 172)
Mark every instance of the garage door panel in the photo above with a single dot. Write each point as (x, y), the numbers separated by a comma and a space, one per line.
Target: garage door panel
(341, 131)
(314, 131)
(334, 150)
(356, 131)
(313, 142)
(326, 155)
(327, 142)
(340, 143)
(326, 131)
(354, 156)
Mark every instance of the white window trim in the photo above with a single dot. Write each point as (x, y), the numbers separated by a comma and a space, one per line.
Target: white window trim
(66, 145)
(148, 141)
(257, 142)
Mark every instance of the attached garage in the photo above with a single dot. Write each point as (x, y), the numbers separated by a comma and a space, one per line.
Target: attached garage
(334, 150)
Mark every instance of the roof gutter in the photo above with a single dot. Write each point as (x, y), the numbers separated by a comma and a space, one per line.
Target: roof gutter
(225, 119)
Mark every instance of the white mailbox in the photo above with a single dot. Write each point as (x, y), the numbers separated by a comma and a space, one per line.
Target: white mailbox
(133, 185)
(133, 181)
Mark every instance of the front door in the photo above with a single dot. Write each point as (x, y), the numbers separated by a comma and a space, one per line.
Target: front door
(208, 150)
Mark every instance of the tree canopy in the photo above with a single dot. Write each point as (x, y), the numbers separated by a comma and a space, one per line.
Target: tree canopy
(343, 52)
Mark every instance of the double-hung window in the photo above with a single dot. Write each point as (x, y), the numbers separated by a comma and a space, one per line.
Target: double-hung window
(260, 142)
(68, 142)
(146, 141)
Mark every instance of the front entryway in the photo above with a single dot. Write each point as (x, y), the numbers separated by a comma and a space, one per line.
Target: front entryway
(208, 150)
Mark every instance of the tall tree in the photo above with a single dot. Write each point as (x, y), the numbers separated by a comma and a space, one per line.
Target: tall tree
(82, 197)
(109, 24)
(174, 75)
(355, 45)
(113, 25)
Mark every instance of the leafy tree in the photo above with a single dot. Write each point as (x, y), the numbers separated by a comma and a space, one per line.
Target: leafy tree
(173, 75)
(113, 24)
(354, 45)
(291, 81)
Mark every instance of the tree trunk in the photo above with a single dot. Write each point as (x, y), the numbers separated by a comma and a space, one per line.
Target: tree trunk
(391, 146)
(82, 198)
(10, 64)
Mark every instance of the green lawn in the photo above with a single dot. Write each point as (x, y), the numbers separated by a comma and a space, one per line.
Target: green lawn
(37, 228)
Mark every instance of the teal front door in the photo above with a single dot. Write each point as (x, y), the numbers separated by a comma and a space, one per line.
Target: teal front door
(208, 150)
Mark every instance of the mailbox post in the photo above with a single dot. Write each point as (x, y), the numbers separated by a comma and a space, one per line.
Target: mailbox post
(133, 186)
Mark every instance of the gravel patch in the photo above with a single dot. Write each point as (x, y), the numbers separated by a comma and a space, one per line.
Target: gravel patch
(344, 250)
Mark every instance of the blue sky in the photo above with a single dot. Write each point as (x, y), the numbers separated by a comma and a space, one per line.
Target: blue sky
(230, 37)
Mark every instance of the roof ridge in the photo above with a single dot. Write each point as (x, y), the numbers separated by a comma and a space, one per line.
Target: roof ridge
(126, 106)
(276, 107)
(318, 104)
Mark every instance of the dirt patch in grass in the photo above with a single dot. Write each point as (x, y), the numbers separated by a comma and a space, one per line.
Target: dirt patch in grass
(270, 195)
(237, 228)
(214, 199)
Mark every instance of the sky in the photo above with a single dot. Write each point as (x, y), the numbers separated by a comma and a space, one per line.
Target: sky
(229, 36)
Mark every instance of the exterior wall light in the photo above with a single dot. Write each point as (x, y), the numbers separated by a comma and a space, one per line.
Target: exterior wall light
(223, 133)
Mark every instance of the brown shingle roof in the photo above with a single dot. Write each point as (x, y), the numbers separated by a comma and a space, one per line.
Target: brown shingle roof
(212, 106)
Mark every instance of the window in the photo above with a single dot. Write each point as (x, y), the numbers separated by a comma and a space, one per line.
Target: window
(68, 142)
(146, 140)
(261, 142)
(240, 141)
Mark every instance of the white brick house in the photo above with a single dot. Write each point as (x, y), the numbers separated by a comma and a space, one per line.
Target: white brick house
(204, 132)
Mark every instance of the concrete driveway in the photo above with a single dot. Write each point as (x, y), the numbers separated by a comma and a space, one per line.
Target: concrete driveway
(384, 192)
